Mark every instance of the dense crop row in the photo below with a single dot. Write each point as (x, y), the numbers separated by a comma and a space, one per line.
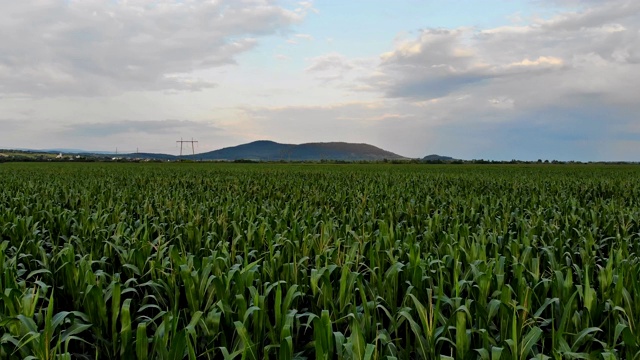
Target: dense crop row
(330, 262)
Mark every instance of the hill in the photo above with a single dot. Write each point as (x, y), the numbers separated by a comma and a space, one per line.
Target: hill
(148, 156)
(12, 154)
(434, 157)
(264, 150)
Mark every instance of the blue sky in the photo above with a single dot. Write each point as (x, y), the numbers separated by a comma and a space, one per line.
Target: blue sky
(526, 79)
(364, 28)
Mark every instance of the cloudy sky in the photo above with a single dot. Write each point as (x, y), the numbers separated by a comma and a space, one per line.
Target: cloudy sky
(492, 79)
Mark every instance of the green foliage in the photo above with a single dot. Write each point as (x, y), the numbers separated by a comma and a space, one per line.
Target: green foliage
(275, 261)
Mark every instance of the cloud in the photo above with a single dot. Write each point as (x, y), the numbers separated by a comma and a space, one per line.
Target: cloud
(589, 132)
(437, 63)
(342, 72)
(146, 127)
(560, 87)
(306, 6)
(7, 125)
(304, 37)
(84, 48)
(441, 61)
(381, 123)
(596, 14)
(550, 88)
(541, 61)
(127, 135)
(332, 61)
(563, 87)
(573, 53)
(282, 57)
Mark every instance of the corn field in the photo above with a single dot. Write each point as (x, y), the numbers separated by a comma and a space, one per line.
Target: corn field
(283, 261)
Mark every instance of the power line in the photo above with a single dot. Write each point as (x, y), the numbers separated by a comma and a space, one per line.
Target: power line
(193, 149)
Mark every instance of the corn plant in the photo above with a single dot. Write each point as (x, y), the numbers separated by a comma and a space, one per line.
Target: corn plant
(302, 261)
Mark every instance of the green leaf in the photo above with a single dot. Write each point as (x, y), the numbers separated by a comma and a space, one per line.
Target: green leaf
(142, 342)
(529, 341)
(249, 349)
(582, 336)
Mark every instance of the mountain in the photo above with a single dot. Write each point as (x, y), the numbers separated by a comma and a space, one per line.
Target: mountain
(434, 157)
(264, 150)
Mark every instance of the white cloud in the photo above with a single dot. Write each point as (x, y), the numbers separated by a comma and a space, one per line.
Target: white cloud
(304, 37)
(333, 61)
(52, 48)
(540, 61)
(537, 64)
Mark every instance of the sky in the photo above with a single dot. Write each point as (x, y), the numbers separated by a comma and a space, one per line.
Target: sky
(472, 79)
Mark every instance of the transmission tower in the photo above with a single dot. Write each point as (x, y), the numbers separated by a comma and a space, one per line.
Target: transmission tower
(193, 149)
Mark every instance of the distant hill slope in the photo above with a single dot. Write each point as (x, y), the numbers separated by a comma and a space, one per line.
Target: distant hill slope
(434, 157)
(257, 150)
(150, 156)
(272, 151)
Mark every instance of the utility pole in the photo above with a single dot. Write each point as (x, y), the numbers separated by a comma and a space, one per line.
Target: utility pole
(193, 149)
